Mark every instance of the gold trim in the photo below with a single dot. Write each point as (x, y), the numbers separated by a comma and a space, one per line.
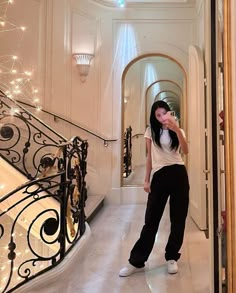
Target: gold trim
(183, 104)
(229, 170)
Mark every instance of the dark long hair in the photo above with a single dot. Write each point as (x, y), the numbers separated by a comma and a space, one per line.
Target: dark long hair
(156, 126)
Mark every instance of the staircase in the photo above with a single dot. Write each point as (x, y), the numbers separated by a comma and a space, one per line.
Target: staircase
(44, 205)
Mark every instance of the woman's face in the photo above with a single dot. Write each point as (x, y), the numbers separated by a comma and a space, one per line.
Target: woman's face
(160, 115)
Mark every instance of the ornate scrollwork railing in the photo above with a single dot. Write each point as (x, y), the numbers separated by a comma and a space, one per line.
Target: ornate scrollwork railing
(43, 218)
(127, 159)
(24, 139)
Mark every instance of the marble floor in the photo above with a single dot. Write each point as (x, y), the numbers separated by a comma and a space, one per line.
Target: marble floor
(114, 231)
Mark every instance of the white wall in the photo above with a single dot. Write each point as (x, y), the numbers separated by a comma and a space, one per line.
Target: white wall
(150, 38)
(200, 24)
(96, 104)
(65, 27)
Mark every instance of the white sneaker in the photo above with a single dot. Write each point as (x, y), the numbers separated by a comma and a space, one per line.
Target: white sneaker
(129, 270)
(172, 266)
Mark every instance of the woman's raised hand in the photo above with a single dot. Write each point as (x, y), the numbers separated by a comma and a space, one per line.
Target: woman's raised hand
(170, 122)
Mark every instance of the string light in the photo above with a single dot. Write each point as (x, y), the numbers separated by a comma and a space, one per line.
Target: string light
(21, 85)
(14, 111)
(28, 73)
(16, 80)
(8, 26)
(38, 108)
(23, 80)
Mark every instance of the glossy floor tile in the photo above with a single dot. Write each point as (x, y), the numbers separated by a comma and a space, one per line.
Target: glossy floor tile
(114, 231)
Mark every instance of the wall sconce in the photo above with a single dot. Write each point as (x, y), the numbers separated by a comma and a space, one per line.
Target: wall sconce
(83, 63)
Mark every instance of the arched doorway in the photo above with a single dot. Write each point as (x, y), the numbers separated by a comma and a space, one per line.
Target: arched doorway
(145, 79)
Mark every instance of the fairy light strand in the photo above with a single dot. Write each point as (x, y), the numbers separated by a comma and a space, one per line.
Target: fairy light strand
(11, 68)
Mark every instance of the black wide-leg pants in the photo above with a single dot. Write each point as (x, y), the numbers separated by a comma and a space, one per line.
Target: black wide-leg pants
(170, 181)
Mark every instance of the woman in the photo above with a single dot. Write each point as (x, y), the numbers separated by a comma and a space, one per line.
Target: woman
(164, 140)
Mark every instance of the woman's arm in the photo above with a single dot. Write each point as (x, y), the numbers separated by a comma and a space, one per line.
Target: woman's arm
(182, 141)
(172, 125)
(148, 166)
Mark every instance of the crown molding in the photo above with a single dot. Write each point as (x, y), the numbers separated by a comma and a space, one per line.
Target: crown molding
(149, 3)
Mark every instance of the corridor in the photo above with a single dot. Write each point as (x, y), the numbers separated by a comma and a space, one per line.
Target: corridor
(113, 232)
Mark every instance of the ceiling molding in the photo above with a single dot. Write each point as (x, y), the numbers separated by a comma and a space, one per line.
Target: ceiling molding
(149, 4)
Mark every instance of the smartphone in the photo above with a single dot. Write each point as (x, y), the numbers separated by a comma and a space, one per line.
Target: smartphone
(172, 113)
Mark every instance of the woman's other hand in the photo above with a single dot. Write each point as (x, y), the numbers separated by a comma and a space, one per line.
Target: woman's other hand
(147, 187)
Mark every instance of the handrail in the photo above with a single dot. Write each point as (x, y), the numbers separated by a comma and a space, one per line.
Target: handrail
(105, 140)
(137, 134)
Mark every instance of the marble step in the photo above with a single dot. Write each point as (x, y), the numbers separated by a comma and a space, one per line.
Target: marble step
(93, 204)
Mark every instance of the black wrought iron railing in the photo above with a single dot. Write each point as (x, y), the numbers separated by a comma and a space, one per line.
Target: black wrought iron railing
(127, 156)
(43, 218)
(25, 139)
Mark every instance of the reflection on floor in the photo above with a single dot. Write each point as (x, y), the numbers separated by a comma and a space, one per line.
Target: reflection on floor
(136, 177)
(114, 231)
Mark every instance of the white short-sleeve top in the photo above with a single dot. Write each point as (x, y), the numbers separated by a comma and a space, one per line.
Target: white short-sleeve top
(164, 156)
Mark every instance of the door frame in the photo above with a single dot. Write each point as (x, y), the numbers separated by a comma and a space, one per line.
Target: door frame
(229, 150)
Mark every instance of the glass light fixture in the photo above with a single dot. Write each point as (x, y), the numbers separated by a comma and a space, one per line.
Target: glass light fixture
(121, 3)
